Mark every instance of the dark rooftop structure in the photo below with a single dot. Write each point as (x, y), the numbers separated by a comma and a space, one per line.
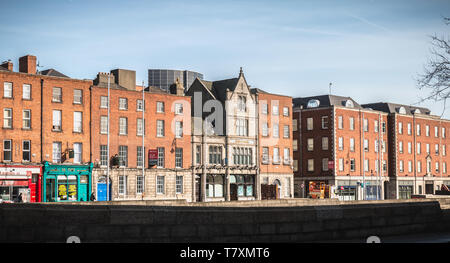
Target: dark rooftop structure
(325, 101)
(53, 73)
(397, 108)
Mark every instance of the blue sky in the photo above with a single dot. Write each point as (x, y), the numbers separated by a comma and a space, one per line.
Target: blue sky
(370, 50)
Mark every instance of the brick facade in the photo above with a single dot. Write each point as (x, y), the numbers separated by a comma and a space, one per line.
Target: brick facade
(276, 170)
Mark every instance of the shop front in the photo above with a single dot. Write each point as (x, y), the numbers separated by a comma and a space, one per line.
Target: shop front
(66, 183)
(347, 190)
(373, 190)
(318, 189)
(20, 179)
(405, 189)
(242, 187)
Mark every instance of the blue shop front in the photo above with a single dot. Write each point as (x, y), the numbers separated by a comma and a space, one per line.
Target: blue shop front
(66, 183)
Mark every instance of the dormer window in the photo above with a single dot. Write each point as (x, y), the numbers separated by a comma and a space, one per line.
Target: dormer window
(417, 111)
(402, 110)
(349, 104)
(313, 103)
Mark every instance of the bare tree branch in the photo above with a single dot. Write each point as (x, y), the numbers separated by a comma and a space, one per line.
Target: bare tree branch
(436, 77)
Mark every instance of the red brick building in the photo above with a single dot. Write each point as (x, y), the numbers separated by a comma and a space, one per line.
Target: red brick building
(34, 131)
(275, 143)
(46, 117)
(166, 129)
(339, 146)
(418, 144)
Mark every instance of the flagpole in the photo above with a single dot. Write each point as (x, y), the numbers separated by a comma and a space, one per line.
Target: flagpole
(143, 139)
(107, 173)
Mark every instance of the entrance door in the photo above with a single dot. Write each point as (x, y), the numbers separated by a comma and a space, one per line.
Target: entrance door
(429, 189)
(83, 192)
(50, 190)
(233, 192)
(102, 193)
(371, 192)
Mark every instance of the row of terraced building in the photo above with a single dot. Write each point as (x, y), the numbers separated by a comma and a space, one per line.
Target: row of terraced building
(66, 139)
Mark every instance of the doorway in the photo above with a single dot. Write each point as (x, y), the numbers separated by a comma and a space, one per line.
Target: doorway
(50, 190)
(429, 188)
(233, 192)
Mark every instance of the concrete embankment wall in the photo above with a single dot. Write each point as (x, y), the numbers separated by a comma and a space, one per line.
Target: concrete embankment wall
(128, 223)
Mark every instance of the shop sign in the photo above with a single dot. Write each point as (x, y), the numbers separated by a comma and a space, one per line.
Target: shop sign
(330, 164)
(152, 156)
(19, 171)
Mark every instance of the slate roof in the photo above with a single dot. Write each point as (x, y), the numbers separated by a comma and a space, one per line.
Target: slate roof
(53, 73)
(256, 90)
(219, 88)
(325, 101)
(394, 108)
(3, 69)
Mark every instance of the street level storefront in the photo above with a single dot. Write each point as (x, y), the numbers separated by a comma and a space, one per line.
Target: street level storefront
(318, 189)
(405, 189)
(20, 179)
(347, 190)
(66, 183)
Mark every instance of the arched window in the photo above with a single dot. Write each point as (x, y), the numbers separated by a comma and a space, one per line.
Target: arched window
(313, 103)
(232, 179)
(402, 110)
(349, 104)
(417, 111)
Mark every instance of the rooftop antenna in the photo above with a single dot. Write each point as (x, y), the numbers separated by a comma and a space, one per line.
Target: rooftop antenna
(329, 87)
(38, 66)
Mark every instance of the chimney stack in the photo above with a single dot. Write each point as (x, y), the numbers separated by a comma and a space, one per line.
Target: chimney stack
(125, 78)
(27, 64)
(8, 65)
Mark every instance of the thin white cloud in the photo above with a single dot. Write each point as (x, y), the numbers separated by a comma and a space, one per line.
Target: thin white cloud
(365, 21)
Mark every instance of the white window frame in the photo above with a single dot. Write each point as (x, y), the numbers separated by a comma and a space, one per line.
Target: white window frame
(325, 143)
(57, 94)
(309, 124)
(77, 152)
(286, 111)
(8, 118)
(103, 124)
(179, 184)
(26, 91)
(26, 120)
(78, 98)
(57, 121)
(160, 107)
(56, 152)
(160, 184)
(123, 126)
(7, 90)
(104, 102)
(78, 121)
(123, 104)
(160, 128)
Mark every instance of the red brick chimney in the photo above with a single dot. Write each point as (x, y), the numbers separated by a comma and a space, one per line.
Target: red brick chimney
(8, 65)
(27, 64)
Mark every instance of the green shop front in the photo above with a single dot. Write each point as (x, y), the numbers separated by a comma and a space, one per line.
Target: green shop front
(66, 183)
